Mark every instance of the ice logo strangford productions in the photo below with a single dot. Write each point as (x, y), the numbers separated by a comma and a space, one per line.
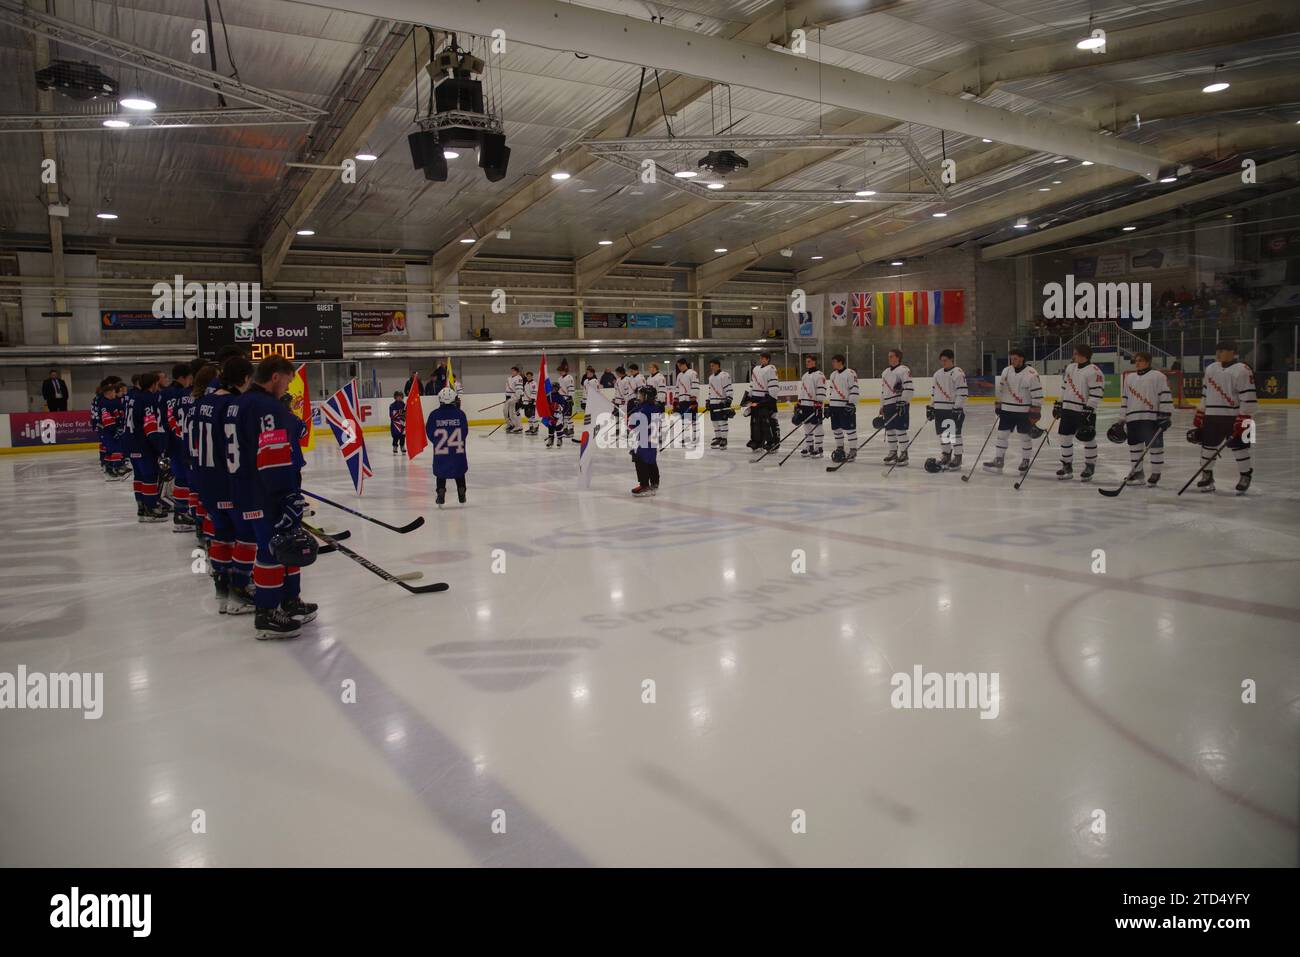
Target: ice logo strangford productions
(75, 909)
(1098, 300)
(948, 690)
(37, 691)
(196, 300)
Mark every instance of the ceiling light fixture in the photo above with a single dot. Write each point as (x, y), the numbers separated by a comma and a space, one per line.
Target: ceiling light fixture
(686, 174)
(306, 232)
(816, 257)
(1215, 86)
(986, 140)
(865, 192)
(558, 174)
(468, 241)
(938, 215)
(452, 154)
(116, 124)
(720, 249)
(1086, 163)
(896, 262)
(142, 103)
(716, 185)
(1022, 222)
(1094, 41)
(106, 215)
(366, 157)
(604, 242)
(1063, 159)
(1129, 229)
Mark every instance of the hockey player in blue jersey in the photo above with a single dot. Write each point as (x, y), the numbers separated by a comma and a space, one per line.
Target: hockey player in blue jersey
(230, 559)
(397, 422)
(448, 430)
(173, 414)
(146, 444)
(644, 415)
(265, 465)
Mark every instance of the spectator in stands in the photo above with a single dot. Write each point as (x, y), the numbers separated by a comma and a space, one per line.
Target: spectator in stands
(55, 392)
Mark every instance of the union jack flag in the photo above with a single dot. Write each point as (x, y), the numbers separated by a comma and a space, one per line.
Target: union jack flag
(340, 411)
(861, 309)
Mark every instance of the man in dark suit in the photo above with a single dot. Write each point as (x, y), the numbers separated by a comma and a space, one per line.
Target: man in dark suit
(55, 392)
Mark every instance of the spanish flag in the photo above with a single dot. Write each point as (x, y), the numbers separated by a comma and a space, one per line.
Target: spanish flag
(301, 405)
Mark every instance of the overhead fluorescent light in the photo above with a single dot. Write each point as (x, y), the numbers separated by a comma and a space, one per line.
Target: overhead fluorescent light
(605, 242)
(1022, 223)
(938, 215)
(116, 124)
(141, 103)
(1129, 229)
(865, 192)
(1217, 87)
(896, 262)
(816, 257)
(306, 232)
(468, 241)
(366, 157)
(686, 174)
(720, 249)
(986, 140)
(452, 154)
(559, 174)
(716, 185)
(1086, 163)
(106, 215)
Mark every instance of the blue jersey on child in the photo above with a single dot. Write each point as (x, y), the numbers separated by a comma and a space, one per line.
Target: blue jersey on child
(448, 430)
(397, 418)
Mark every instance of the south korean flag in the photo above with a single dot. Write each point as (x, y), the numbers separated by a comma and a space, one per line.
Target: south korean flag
(839, 308)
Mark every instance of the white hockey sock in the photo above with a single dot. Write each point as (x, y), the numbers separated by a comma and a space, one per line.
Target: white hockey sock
(1090, 453)
(1243, 459)
(720, 429)
(819, 436)
(839, 437)
(1026, 445)
(1067, 449)
(1001, 442)
(851, 436)
(891, 438)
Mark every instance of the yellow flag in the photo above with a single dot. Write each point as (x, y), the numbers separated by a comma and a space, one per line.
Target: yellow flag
(301, 405)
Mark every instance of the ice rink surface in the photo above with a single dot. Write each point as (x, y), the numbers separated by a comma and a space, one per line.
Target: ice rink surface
(515, 700)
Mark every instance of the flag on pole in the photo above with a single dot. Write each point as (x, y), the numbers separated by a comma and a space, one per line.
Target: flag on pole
(861, 308)
(544, 394)
(601, 412)
(301, 406)
(341, 413)
(416, 440)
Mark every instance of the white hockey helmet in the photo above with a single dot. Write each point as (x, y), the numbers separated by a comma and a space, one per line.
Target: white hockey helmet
(447, 396)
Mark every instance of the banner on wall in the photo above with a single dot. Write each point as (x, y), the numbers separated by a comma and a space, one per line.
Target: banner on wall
(733, 322)
(804, 329)
(28, 429)
(119, 320)
(374, 322)
(650, 320)
(1111, 265)
(839, 308)
(1271, 385)
(605, 320)
(546, 319)
(1155, 258)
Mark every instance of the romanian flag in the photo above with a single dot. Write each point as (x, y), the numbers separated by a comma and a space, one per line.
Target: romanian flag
(301, 406)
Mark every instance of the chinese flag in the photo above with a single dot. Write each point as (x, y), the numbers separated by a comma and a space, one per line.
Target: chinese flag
(416, 440)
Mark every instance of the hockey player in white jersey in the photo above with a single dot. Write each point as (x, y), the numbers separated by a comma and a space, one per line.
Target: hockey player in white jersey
(1018, 404)
(530, 401)
(719, 402)
(947, 409)
(896, 391)
(1226, 414)
(808, 408)
(842, 394)
(686, 388)
(561, 406)
(760, 403)
(514, 399)
(622, 392)
(1082, 388)
(1146, 409)
(635, 380)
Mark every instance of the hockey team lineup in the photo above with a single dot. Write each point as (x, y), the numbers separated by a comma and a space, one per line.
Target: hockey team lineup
(217, 452)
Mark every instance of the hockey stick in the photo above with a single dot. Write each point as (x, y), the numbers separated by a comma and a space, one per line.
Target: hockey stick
(493, 432)
(1046, 434)
(1206, 465)
(840, 465)
(980, 455)
(372, 567)
(1111, 493)
(408, 527)
(794, 428)
(493, 405)
(337, 537)
(894, 465)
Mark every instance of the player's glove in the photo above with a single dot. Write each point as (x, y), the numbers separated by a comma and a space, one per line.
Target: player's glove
(1163, 421)
(929, 413)
(1090, 419)
(292, 507)
(997, 408)
(1198, 420)
(1056, 410)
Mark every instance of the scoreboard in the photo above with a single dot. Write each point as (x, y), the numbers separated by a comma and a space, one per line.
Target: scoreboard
(299, 331)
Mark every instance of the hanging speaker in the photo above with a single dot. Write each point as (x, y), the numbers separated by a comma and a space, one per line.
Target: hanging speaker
(435, 166)
(493, 156)
(424, 144)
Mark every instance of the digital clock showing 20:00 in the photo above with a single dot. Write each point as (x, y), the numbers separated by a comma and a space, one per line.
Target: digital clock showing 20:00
(264, 350)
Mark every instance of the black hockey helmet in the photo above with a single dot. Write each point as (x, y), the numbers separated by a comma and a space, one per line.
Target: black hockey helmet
(1194, 436)
(878, 422)
(932, 465)
(1117, 433)
(1086, 432)
(295, 547)
(1035, 432)
(646, 393)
